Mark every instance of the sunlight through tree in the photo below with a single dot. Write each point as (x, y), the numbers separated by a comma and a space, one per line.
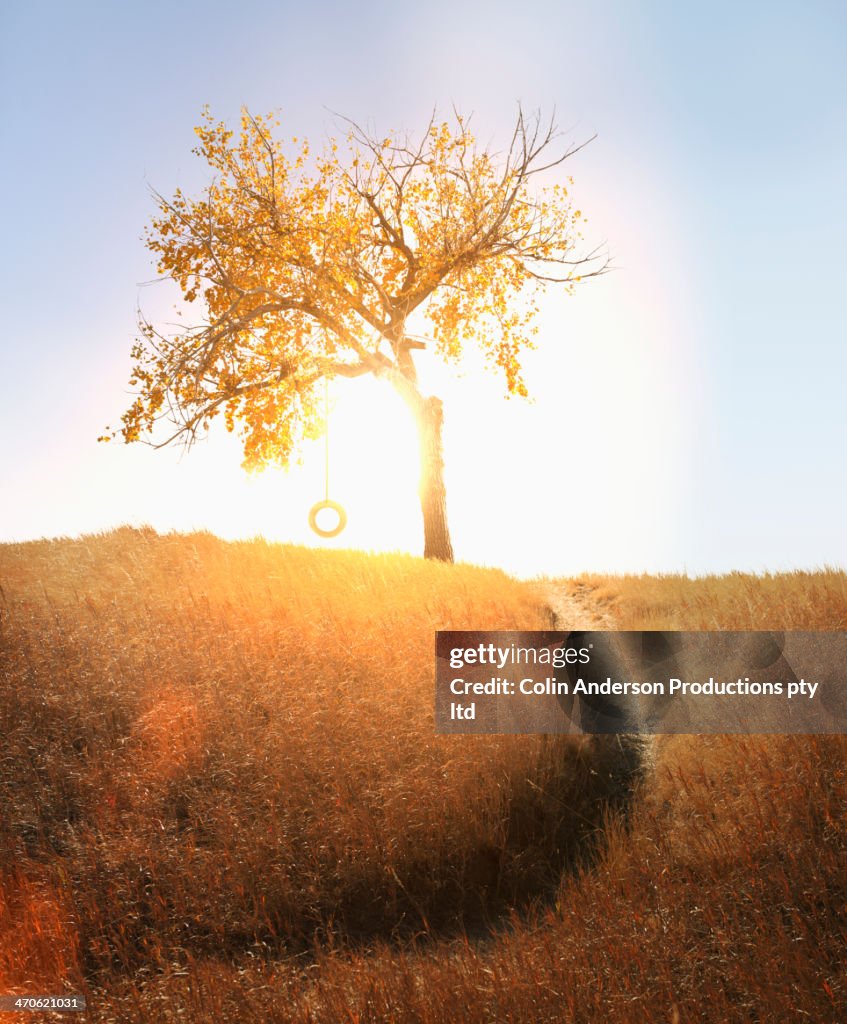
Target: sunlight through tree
(310, 267)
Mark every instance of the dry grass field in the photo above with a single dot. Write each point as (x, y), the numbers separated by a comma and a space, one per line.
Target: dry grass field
(795, 600)
(222, 799)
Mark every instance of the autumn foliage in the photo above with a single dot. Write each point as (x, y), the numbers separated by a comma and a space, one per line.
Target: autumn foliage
(306, 264)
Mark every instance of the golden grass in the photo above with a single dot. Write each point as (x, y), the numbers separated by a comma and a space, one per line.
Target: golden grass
(725, 902)
(231, 747)
(223, 800)
(794, 600)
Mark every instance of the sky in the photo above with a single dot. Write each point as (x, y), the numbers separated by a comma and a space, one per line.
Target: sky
(688, 411)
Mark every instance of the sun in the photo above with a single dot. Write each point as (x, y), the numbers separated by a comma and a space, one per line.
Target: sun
(373, 465)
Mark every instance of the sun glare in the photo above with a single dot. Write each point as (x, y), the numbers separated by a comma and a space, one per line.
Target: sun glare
(373, 465)
(373, 475)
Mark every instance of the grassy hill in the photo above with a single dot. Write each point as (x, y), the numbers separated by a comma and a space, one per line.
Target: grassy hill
(223, 799)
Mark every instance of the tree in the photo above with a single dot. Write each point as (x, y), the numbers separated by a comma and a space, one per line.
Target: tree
(310, 267)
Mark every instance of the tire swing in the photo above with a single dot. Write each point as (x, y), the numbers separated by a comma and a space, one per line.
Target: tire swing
(327, 503)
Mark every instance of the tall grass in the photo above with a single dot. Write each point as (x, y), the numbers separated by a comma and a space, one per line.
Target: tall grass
(724, 902)
(216, 747)
(793, 600)
(223, 799)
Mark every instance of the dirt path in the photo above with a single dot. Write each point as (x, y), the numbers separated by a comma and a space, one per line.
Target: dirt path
(572, 607)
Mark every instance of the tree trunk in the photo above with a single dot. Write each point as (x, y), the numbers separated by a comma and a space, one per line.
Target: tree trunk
(429, 417)
(433, 494)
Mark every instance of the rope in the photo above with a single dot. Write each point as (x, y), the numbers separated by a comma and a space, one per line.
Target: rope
(326, 439)
(326, 503)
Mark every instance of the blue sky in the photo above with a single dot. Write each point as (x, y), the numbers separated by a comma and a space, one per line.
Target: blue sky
(695, 394)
